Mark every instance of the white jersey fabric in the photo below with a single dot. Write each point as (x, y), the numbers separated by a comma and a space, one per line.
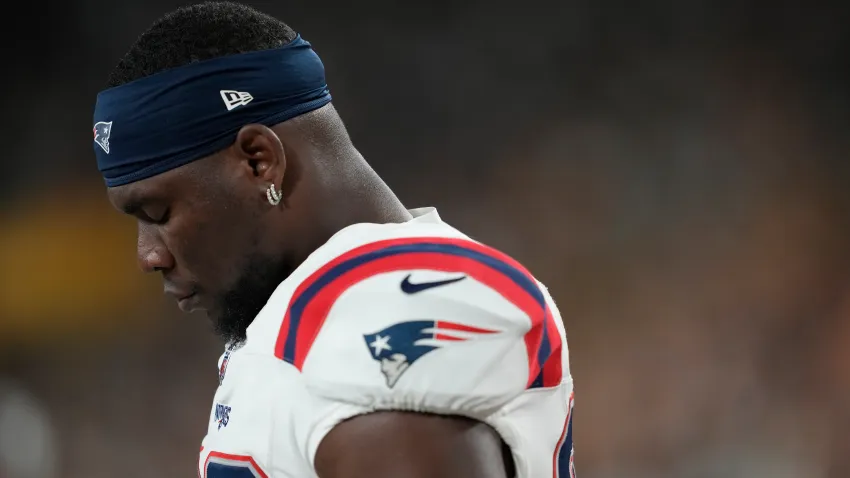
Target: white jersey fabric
(413, 316)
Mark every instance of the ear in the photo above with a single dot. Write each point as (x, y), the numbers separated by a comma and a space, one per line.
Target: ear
(261, 152)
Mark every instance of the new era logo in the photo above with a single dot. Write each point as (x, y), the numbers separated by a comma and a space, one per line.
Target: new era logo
(233, 98)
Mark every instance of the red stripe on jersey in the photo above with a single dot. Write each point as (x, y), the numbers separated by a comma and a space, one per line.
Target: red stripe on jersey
(462, 328)
(560, 447)
(242, 458)
(552, 368)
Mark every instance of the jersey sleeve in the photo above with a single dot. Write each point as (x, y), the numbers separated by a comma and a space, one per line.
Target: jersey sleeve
(443, 326)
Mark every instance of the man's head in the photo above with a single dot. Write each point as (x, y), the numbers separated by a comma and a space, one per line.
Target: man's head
(207, 225)
(199, 32)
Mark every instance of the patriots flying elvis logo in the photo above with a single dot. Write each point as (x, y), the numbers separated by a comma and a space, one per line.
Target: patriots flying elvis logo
(102, 130)
(398, 346)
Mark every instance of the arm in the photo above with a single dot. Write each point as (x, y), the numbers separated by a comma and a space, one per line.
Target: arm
(412, 445)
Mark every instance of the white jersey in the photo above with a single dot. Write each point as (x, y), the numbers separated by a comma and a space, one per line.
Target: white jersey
(413, 316)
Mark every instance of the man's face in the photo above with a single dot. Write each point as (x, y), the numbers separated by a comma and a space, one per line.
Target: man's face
(200, 225)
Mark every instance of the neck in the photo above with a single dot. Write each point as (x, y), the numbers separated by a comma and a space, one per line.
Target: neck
(368, 199)
(350, 193)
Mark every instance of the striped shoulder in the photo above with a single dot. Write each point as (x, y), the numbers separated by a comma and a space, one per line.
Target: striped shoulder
(398, 300)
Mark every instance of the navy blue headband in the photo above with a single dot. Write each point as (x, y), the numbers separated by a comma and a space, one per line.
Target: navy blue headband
(163, 121)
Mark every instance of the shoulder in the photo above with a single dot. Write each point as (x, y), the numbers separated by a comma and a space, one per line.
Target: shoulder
(439, 325)
(415, 314)
(412, 317)
(409, 280)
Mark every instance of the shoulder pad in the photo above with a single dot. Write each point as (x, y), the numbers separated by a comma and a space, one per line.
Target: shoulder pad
(424, 324)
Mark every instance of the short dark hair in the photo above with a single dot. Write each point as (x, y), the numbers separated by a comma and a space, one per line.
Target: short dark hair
(199, 32)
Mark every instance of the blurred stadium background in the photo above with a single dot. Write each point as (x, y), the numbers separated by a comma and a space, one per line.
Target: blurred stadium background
(677, 172)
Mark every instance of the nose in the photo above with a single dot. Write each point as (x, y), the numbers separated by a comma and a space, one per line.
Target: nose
(152, 253)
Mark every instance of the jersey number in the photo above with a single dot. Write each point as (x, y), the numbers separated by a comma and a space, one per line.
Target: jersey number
(223, 465)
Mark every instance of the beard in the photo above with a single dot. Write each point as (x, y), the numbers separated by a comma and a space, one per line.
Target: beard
(251, 292)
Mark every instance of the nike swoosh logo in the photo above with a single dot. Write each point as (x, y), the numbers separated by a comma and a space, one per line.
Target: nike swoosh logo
(410, 288)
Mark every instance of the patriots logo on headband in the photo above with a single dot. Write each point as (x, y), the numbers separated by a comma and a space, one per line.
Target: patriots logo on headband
(398, 346)
(102, 130)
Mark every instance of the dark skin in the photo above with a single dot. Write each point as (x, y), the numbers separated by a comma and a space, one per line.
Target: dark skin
(413, 445)
(221, 247)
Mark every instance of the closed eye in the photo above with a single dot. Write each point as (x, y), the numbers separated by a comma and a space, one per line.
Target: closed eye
(163, 218)
(139, 211)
